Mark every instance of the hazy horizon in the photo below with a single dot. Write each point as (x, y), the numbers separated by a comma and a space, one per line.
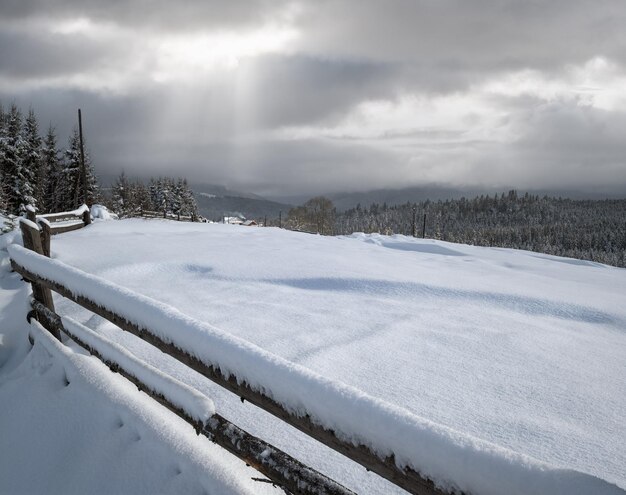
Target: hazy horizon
(289, 98)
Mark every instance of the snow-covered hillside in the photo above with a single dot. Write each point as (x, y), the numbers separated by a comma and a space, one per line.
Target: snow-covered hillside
(522, 350)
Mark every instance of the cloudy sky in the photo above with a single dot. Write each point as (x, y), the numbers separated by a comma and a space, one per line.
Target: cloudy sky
(282, 97)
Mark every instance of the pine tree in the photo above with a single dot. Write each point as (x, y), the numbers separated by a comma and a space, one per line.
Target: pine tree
(189, 205)
(71, 189)
(53, 173)
(176, 200)
(33, 170)
(69, 184)
(3, 203)
(142, 197)
(154, 194)
(120, 195)
(18, 182)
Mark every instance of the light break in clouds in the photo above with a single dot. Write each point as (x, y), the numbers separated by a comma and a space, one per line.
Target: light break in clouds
(282, 97)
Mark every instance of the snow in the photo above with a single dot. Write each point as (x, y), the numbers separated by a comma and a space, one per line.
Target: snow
(102, 212)
(493, 356)
(452, 459)
(31, 224)
(95, 420)
(69, 425)
(79, 211)
(44, 220)
(196, 405)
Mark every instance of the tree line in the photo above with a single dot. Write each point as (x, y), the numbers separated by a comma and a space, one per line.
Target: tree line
(164, 194)
(35, 170)
(583, 229)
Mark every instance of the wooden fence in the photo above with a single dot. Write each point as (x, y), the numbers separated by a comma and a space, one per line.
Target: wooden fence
(57, 223)
(168, 215)
(278, 466)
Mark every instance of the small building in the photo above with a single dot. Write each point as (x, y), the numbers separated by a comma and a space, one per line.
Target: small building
(250, 223)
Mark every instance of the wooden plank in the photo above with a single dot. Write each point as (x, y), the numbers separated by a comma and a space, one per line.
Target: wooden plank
(406, 478)
(60, 217)
(30, 214)
(278, 466)
(66, 228)
(45, 237)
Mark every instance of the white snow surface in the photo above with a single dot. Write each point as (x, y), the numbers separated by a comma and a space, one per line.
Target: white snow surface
(516, 358)
(452, 459)
(70, 426)
(102, 212)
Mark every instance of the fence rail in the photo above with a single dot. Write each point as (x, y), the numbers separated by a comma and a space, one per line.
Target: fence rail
(278, 466)
(283, 469)
(58, 223)
(168, 215)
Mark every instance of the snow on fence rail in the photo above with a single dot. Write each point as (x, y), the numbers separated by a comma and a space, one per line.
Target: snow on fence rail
(58, 223)
(408, 450)
(196, 409)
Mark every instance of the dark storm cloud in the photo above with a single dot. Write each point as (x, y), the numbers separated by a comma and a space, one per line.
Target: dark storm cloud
(33, 55)
(302, 89)
(483, 34)
(156, 14)
(589, 142)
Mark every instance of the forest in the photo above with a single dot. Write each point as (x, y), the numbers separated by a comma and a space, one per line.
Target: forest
(585, 229)
(35, 170)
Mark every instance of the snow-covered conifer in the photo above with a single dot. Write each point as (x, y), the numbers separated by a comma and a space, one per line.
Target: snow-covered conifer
(32, 164)
(17, 182)
(53, 173)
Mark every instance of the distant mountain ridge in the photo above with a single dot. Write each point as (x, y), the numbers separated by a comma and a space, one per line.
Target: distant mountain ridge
(214, 206)
(222, 191)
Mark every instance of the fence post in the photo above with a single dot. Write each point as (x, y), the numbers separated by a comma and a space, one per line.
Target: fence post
(31, 213)
(32, 241)
(86, 217)
(45, 237)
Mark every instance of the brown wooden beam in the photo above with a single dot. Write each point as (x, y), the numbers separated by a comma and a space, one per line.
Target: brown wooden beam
(46, 232)
(65, 228)
(60, 217)
(32, 240)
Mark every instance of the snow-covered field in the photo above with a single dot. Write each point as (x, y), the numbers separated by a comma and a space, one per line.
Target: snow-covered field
(522, 350)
